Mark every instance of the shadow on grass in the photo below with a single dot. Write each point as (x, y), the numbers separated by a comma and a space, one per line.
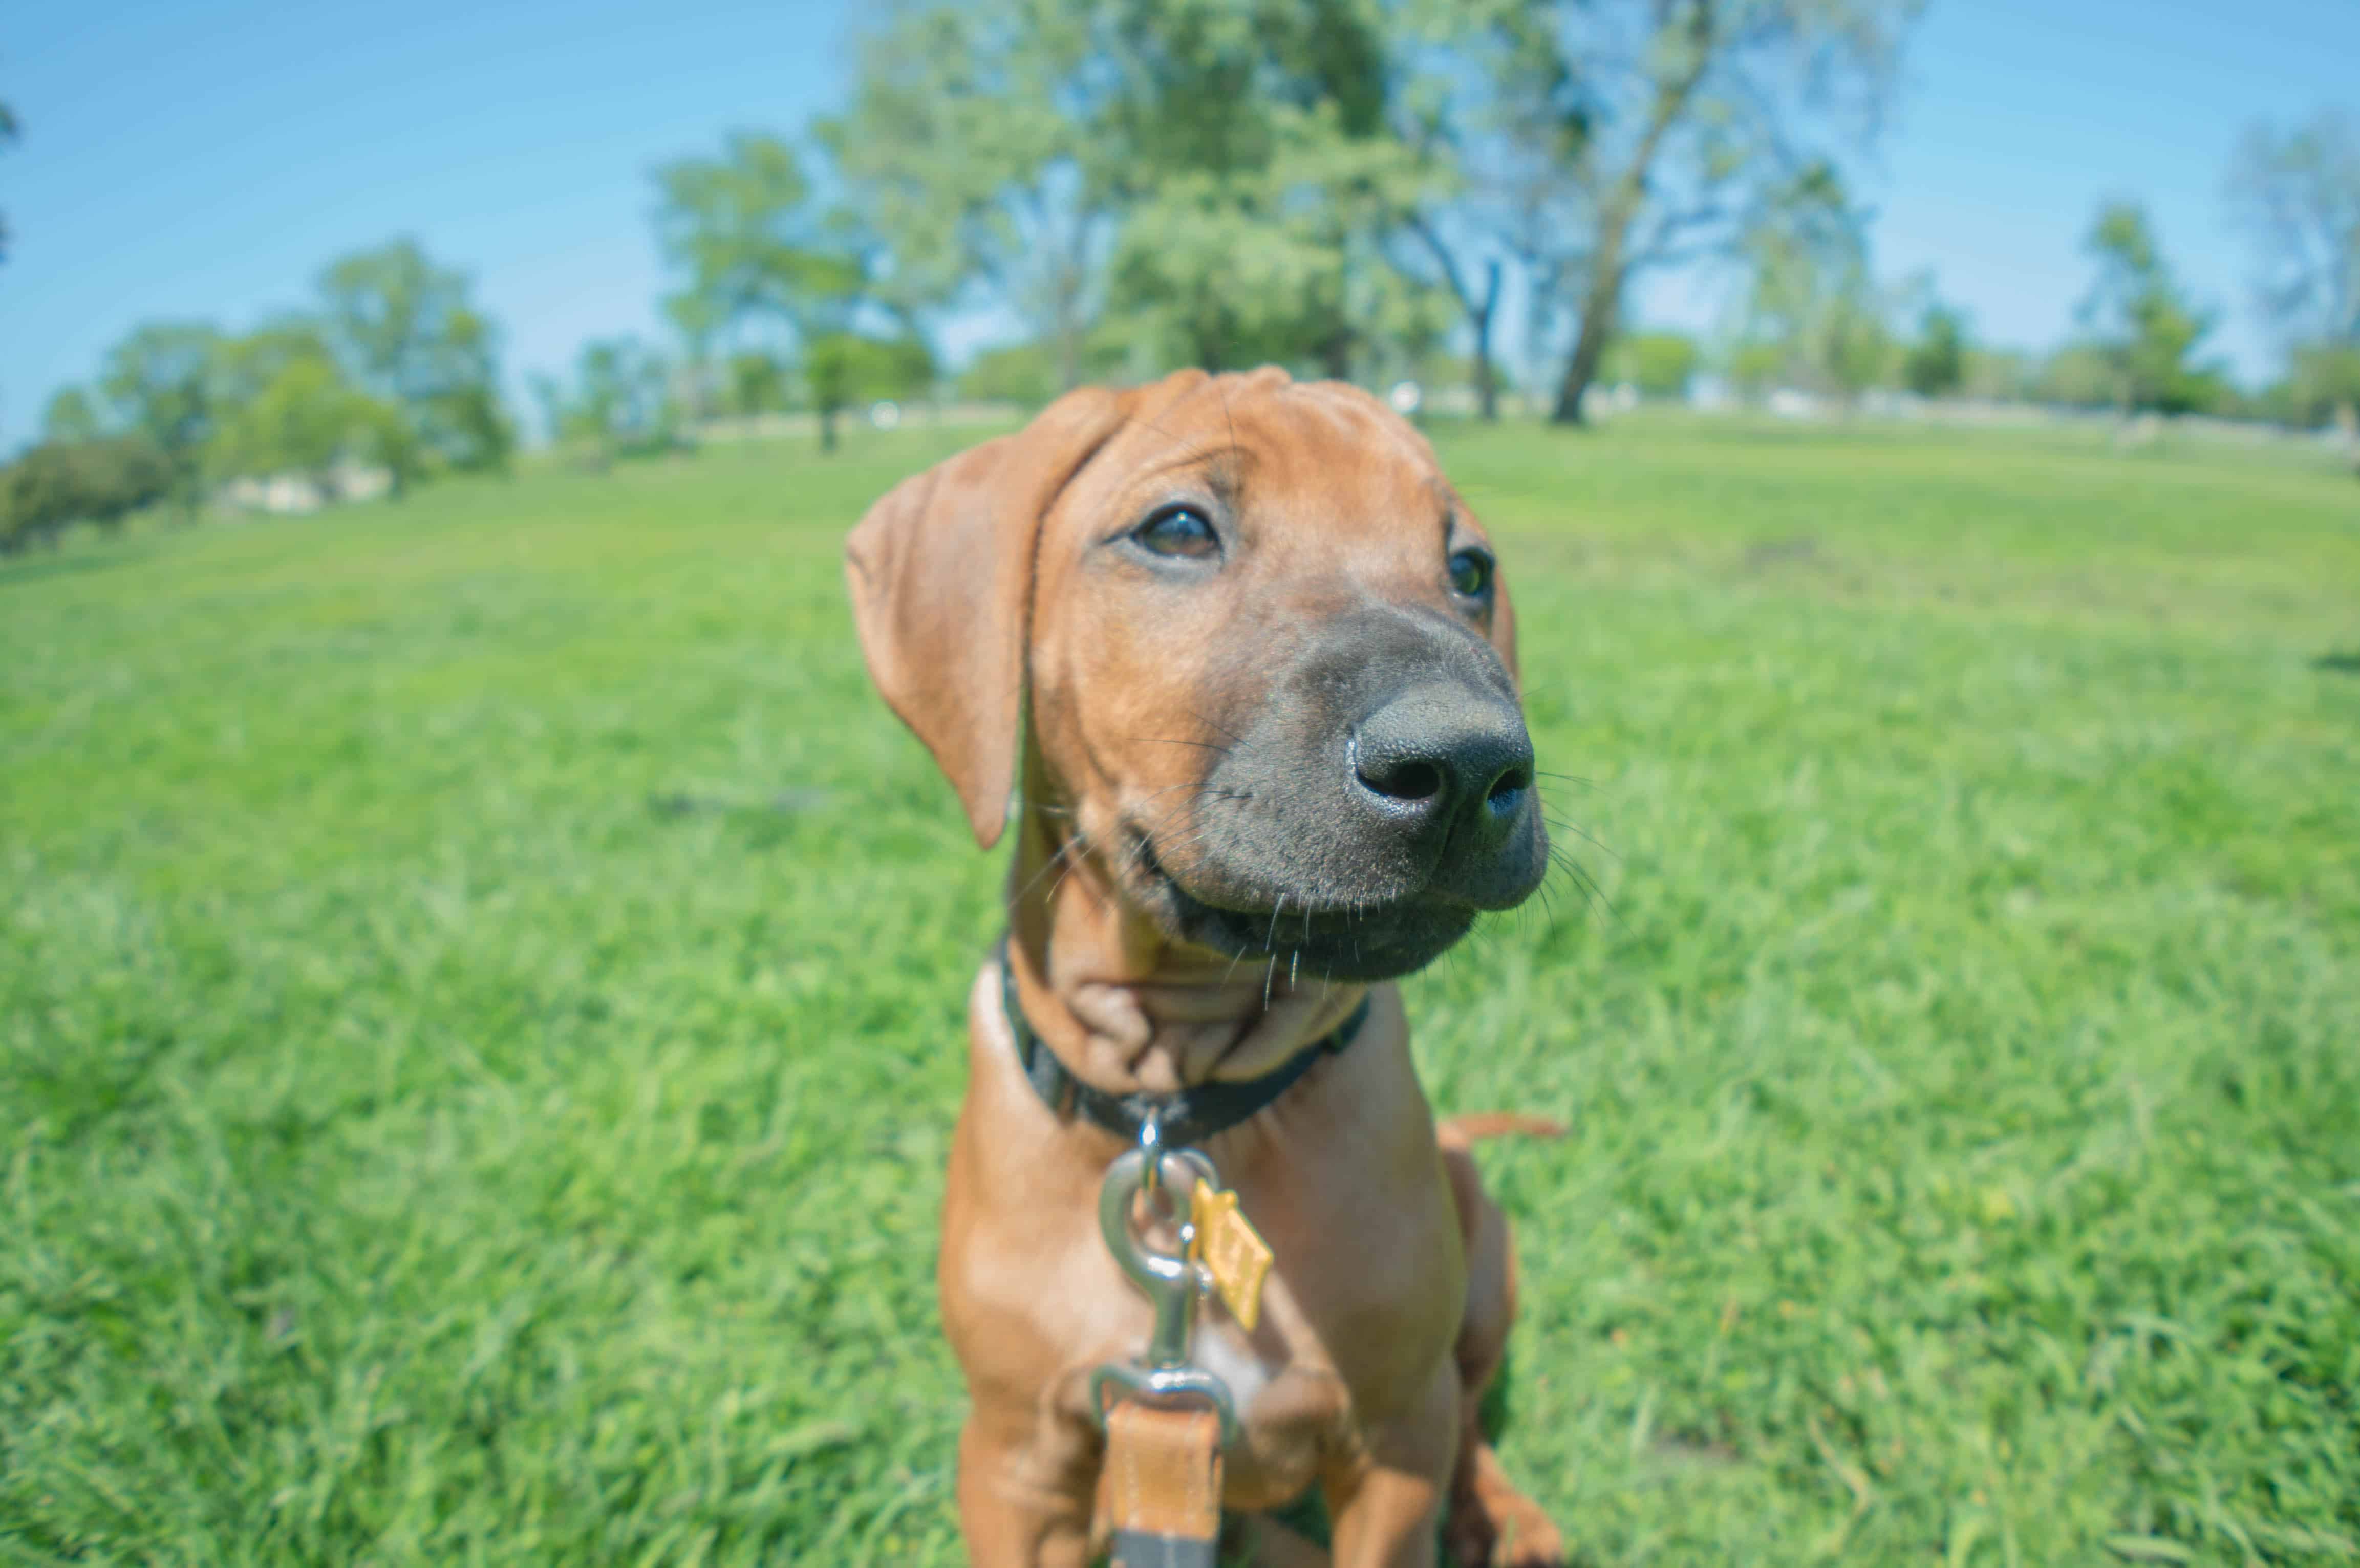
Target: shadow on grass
(2342, 662)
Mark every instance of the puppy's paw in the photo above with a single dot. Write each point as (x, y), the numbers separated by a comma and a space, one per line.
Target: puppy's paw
(1492, 1525)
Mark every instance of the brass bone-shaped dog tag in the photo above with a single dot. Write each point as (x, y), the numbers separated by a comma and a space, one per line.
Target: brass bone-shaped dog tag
(1229, 1248)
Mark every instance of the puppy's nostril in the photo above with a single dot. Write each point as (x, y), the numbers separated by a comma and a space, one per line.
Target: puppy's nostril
(1514, 781)
(1410, 781)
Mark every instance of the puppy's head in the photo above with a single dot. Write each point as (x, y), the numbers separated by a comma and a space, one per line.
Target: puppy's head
(1269, 657)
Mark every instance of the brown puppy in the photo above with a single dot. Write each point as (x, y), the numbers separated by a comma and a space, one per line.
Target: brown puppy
(1252, 656)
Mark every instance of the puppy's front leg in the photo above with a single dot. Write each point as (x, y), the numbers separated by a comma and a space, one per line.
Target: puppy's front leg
(1019, 1507)
(1388, 1512)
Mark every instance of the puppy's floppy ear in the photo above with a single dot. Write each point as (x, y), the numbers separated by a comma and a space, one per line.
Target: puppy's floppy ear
(941, 574)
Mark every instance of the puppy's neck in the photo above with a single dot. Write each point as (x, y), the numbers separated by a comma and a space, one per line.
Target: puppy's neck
(1127, 1009)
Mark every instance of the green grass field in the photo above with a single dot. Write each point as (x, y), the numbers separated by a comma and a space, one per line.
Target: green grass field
(481, 983)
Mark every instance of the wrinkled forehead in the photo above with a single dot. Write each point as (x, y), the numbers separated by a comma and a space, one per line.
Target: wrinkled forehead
(1330, 458)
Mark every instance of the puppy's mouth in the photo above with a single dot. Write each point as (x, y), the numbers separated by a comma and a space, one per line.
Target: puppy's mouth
(1362, 940)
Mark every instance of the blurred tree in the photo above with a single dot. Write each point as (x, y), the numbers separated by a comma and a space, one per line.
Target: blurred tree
(759, 252)
(159, 382)
(757, 384)
(1812, 301)
(2143, 324)
(246, 365)
(60, 483)
(72, 417)
(302, 415)
(1656, 131)
(8, 133)
(843, 368)
(406, 331)
(8, 136)
(1264, 179)
(1490, 166)
(1459, 225)
(1658, 364)
(2078, 375)
(1027, 375)
(1480, 304)
(1999, 375)
(693, 317)
(1935, 365)
(2299, 196)
(971, 143)
(621, 403)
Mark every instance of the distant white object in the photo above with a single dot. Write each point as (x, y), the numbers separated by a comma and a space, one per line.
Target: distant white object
(1789, 403)
(295, 495)
(1627, 397)
(884, 414)
(1710, 394)
(1405, 397)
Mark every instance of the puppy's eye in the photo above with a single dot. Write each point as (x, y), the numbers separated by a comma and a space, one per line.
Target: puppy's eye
(1471, 573)
(1179, 530)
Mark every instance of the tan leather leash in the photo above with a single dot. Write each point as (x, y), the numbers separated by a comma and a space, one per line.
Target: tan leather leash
(1169, 1422)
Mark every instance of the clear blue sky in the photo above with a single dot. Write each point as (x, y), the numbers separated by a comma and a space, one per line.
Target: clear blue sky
(184, 160)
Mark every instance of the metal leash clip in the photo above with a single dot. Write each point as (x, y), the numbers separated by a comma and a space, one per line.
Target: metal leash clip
(1172, 1282)
(1169, 1422)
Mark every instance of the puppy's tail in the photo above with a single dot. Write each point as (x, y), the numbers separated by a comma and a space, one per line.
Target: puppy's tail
(1458, 1132)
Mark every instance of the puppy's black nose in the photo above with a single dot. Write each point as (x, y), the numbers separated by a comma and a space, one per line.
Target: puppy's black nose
(1443, 759)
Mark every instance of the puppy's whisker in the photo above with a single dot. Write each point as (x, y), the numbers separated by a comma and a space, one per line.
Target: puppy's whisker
(1048, 865)
(1213, 723)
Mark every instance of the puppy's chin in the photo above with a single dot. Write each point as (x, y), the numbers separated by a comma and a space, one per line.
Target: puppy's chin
(1365, 942)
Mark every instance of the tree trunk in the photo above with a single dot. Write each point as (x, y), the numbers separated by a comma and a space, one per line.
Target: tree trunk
(1598, 314)
(1336, 356)
(1487, 389)
(2347, 420)
(1608, 267)
(827, 427)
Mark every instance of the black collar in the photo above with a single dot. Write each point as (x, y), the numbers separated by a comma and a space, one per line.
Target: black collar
(1185, 1117)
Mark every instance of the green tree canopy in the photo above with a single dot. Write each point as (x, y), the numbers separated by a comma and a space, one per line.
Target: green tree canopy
(159, 381)
(1813, 315)
(407, 332)
(100, 480)
(622, 402)
(1651, 132)
(8, 133)
(843, 368)
(2297, 195)
(298, 412)
(754, 248)
(71, 416)
(1658, 364)
(1216, 179)
(764, 261)
(971, 143)
(1263, 180)
(1935, 365)
(2144, 325)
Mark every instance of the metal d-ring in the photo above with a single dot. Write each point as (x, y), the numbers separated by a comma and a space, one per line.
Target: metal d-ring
(1172, 1283)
